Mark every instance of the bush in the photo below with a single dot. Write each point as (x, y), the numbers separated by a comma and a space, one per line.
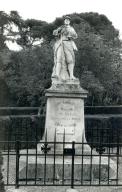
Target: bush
(1, 177)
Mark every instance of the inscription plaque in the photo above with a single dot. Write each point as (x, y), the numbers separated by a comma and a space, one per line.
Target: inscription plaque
(67, 115)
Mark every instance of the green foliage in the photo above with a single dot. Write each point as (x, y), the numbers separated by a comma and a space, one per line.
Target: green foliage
(1, 177)
(98, 62)
(29, 75)
(4, 20)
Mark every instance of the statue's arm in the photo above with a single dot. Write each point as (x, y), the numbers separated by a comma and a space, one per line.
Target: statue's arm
(57, 32)
(72, 34)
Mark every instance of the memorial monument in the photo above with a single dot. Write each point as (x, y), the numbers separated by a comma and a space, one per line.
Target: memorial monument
(65, 108)
(65, 98)
(65, 121)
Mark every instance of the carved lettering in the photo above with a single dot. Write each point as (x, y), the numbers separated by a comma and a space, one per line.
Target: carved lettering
(67, 116)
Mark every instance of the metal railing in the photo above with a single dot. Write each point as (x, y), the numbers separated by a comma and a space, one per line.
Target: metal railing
(28, 162)
(55, 164)
(31, 128)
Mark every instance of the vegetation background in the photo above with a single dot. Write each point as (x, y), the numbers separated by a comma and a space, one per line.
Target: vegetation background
(25, 74)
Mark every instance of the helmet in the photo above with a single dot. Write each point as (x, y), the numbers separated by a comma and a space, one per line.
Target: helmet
(67, 17)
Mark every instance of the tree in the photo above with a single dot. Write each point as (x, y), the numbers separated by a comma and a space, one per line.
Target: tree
(98, 60)
(29, 74)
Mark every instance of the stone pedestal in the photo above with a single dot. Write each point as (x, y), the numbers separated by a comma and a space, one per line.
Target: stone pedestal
(65, 123)
(65, 111)
(86, 169)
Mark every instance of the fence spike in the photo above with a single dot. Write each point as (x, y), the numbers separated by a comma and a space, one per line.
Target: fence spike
(55, 135)
(64, 136)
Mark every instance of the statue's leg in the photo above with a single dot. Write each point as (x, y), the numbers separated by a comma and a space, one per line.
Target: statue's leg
(58, 69)
(58, 62)
(71, 70)
(70, 58)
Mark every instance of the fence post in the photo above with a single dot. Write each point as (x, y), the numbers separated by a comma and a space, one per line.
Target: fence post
(72, 174)
(17, 164)
(118, 149)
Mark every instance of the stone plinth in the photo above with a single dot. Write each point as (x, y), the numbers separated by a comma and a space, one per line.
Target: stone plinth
(65, 111)
(91, 169)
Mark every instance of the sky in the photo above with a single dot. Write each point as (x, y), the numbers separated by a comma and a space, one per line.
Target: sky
(48, 10)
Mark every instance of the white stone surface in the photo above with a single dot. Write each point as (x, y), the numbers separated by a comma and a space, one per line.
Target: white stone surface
(71, 190)
(88, 166)
(65, 115)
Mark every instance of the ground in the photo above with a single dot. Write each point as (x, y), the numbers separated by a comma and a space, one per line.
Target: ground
(63, 189)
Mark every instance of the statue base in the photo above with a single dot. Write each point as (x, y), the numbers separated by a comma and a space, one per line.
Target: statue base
(65, 112)
(58, 170)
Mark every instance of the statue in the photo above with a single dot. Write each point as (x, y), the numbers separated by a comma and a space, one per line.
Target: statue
(64, 57)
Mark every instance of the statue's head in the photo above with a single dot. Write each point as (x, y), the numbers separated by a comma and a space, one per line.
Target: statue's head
(67, 20)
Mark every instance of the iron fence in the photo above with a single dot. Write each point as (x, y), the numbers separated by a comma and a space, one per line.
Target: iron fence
(55, 164)
(29, 162)
(105, 129)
